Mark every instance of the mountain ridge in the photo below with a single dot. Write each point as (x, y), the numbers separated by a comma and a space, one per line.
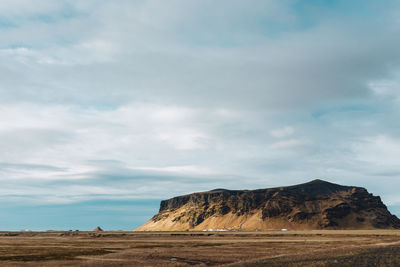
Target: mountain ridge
(317, 204)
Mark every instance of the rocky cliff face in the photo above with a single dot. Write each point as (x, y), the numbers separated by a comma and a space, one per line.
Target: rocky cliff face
(314, 205)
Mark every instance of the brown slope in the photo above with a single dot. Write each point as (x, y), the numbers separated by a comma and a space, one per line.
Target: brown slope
(314, 205)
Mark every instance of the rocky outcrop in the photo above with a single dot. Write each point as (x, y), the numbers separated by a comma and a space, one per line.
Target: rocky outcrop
(314, 205)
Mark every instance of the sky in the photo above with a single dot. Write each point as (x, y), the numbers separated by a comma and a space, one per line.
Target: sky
(108, 107)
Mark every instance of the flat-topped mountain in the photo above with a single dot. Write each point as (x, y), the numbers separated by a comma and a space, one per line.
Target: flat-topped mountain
(314, 205)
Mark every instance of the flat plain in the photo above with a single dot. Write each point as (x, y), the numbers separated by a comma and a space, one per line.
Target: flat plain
(264, 248)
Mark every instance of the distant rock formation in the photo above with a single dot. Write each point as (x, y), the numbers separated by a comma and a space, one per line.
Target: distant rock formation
(98, 229)
(314, 205)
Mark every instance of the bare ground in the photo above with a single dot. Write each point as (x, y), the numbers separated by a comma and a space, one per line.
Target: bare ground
(269, 248)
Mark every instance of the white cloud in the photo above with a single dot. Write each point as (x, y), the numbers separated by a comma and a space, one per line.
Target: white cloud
(380, 150)
(182, 170)
(66, 137)
(123, 51)
(288, 143)
(282, 132)
(184, 139)
(148, 96)
(26, 7)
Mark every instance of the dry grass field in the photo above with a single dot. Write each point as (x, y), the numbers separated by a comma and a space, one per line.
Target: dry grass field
(270, 248)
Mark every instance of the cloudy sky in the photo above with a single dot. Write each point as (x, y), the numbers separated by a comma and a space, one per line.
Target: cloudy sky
(107, 107)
